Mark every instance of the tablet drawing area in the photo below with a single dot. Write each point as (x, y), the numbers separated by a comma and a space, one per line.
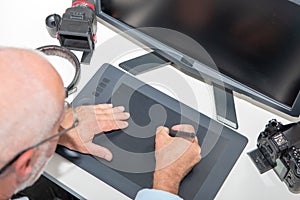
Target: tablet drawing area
(133, 148)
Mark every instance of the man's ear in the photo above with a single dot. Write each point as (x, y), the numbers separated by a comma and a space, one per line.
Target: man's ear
(23, 166)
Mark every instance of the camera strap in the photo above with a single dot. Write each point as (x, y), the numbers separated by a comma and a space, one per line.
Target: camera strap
(65, 53)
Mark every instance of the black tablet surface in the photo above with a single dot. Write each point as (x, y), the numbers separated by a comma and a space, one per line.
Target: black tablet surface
(133, 148)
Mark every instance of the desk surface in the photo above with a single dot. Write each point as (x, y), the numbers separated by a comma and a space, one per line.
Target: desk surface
(22, 25)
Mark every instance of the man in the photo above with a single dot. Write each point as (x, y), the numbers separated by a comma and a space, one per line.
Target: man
(33, 117)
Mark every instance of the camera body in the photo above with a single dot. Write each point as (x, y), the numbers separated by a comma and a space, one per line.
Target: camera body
(76, 29)
(278, 148)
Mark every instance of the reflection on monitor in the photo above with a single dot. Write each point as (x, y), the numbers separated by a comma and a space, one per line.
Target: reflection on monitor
(255, 43)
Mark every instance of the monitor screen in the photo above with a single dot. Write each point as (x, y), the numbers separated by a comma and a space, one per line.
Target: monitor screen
(256, 43)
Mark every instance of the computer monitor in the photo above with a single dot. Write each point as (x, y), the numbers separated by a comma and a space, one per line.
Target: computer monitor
(255, 44)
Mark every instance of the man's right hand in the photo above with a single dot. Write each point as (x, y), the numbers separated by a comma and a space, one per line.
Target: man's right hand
(93, 119)
(175, 157)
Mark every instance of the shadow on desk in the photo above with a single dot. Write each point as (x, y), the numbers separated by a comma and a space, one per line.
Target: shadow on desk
(47, 190)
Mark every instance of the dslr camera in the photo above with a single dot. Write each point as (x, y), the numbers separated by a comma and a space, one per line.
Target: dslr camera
(278, 148)
(76, 29)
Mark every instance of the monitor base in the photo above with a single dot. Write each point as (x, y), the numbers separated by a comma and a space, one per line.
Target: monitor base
(144, 63)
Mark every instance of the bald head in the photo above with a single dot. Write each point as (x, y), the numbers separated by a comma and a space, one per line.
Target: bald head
(31, 99)
(26, 66)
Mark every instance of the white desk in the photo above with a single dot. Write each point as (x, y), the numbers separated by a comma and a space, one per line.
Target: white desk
(22, 25)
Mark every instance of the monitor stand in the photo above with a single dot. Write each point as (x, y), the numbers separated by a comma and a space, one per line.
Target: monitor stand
(225, 107)
(86, 57)
(144, 63)
(224, 102)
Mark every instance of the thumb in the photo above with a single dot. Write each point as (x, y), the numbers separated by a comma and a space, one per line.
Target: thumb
(162, 130)
(99, 151)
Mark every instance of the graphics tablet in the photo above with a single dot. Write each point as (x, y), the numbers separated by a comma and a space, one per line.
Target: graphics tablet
(133, 148)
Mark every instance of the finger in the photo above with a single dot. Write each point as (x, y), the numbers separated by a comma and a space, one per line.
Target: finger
(162, 134)
(199, 150)
(184, 127)
(162, 137)
(162, 130)
(197, 153)
(103, 106)
(117, 109)
(99, 151)
(109, 125)
(113, 116)
(196, 140)
(121, 116)
(121, 124)
(195, 147)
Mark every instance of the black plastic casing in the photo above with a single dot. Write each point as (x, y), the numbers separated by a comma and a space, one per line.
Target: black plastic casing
(77, 29)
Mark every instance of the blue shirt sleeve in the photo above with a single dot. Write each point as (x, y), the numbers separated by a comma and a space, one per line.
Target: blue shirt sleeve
(152, 194)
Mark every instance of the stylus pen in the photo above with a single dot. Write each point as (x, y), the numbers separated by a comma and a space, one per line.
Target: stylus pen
(183, 134)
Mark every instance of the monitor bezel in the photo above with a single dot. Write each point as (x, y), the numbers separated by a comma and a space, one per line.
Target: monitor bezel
(185, 64)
